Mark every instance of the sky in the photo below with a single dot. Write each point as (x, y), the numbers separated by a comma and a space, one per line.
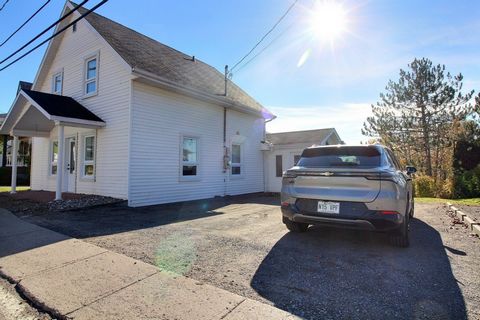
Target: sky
(308, 82)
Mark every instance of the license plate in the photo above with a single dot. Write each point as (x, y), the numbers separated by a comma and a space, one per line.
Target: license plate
(328, 207)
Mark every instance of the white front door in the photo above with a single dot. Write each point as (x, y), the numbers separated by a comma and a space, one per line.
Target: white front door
(70, 165)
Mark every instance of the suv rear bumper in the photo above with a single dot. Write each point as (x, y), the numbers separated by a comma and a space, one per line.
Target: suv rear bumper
(369, 220)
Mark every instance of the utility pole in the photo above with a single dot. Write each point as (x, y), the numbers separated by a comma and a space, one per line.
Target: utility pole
(226, 79)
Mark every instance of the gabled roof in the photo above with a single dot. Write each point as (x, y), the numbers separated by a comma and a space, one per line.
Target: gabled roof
(35, 113)
(61, 106)
(24, 85)
(146, 54)
(307, 136)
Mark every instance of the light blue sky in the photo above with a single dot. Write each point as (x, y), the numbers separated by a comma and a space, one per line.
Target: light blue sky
(335, 85)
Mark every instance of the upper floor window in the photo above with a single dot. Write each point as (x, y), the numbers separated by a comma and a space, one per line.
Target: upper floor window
(189, 156)
(57, 83)
(236, 159)
(91, 75)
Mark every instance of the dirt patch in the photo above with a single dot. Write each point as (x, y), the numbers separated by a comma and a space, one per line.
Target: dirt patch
(27, 203)
(12, 306)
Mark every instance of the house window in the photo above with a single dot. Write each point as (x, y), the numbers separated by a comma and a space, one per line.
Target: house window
(296, 158)
(91, 75)
(74, 27)
(236, 159)
(54, 158)
(89, 156)
(189, 156)
(278, 165)
(57, 83)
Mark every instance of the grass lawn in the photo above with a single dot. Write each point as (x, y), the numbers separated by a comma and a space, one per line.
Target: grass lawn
(469, 202)
(7, 189)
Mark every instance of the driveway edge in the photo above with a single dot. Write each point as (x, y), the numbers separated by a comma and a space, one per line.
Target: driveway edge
(472, 225)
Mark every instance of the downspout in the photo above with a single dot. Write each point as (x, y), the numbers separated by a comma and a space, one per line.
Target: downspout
(225, 152)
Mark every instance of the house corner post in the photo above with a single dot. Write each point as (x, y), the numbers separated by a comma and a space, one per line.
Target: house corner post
(14, 164)
(61, 152)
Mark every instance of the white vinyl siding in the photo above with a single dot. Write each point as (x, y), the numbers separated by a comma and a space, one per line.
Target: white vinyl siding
(159, 117)
(111, 104)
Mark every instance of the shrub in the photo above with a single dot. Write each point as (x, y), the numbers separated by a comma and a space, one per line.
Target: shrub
(467, 183)
(424, 186)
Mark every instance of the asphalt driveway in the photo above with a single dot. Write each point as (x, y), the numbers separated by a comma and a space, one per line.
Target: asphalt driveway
(240, 244)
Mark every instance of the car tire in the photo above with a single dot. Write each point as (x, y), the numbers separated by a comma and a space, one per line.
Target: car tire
(412, 210)
(401, 237)
(296, 226)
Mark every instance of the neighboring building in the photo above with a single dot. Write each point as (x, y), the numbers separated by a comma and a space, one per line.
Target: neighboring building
(113, 112)
(286, 148)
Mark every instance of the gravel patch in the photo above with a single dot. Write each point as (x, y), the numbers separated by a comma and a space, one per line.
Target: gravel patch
(27, 203)
(241, 245)
(471, 211)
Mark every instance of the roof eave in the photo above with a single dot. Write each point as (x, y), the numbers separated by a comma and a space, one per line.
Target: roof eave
(221, 100)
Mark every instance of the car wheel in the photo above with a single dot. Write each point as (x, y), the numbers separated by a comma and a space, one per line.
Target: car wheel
(296, 226)
(401, 237)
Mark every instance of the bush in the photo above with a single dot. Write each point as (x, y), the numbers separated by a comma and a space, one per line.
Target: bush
(445, 189)
(424, 186)
(467, 183)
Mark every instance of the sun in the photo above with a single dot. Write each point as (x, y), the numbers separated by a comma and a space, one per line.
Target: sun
(328, 20)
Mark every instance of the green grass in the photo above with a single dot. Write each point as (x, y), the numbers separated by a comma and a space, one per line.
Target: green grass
(468, 202)
(7, 189)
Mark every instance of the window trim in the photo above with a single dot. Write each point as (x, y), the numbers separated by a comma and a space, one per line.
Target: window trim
(89, 162)
(59, 73)
(86, 60)
(50, 159)
(237, 164)
(182, 163)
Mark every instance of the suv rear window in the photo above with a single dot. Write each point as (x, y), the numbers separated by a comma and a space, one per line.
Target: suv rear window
(357, 157)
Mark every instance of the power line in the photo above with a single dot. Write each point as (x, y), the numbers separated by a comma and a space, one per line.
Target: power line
(3, 5)
(23, 24)
(264, 48)
(265, 35)
(55, 34)
(44, 31)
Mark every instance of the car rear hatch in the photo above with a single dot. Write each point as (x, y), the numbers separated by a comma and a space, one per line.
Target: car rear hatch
(349, 174)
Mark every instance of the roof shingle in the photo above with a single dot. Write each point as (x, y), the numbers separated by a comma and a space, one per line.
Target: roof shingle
(144, 53)
(307, 136)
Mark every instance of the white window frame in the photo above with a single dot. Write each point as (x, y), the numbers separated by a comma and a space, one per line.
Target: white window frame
(236, 164)
(189, 163)
(89, 162)
(60, 74)
(51, 162)
(95, 56)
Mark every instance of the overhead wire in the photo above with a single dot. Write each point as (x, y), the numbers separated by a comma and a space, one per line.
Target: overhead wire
(264, 36)
(55, 34)
(44, 31)
(4, 4)
(26, 21)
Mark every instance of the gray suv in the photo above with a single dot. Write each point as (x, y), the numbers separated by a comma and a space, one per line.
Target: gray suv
(360, 187)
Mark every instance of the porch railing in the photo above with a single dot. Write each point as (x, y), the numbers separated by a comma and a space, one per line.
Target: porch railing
(21, 161)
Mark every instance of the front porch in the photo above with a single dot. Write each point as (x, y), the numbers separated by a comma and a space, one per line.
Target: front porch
(37, 114)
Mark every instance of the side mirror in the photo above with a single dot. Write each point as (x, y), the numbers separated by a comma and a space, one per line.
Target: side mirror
(411, 170)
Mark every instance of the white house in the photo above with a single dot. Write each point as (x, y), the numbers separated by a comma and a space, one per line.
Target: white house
(286, 148)
(113, 112)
